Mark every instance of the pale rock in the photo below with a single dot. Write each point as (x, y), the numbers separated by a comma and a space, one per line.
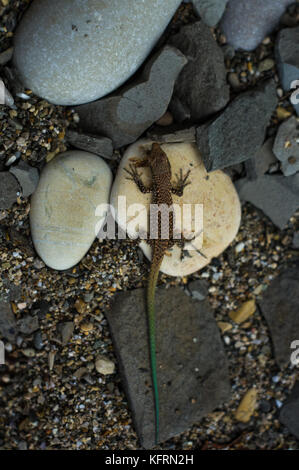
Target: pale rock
(76, 51)
(104, 366)
(221, 206)
(243, 312)
(247, 406)
(63, 218)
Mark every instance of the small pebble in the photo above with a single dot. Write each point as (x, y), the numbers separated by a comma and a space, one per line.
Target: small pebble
(104, 366)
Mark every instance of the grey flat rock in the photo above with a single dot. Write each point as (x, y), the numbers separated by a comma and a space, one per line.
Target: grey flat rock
(238, 133)
(8, 190)
(289, 413)
(279, 306)
(192, 365)
(27, 176)
(201, 88)
(259, 164)
(210, 11)
(124, 116)
(287, 59)
(277, 196)
(99, 145)
(246, 23)
(286, 146)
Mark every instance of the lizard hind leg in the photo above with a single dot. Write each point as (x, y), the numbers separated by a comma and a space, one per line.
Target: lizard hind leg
(181, 242)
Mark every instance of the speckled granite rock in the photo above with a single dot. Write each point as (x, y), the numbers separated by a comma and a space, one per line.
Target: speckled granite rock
(192, 366)
(238, 133)
(201, 88)
(246, 23)
(125, 115)
(73, 52)
(287, 58)
(62, 217)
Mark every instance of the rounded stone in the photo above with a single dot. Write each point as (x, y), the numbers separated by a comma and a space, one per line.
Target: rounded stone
(72, 51)
(214, 191)
(63, 215)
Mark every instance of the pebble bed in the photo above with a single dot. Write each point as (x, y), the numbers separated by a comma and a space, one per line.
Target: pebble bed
(51, 395)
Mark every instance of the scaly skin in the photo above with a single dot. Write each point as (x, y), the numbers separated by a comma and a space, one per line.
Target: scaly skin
(162, 191)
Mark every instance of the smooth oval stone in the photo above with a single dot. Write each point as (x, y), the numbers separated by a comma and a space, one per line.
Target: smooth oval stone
(72, 51)
(62, 217)
(221, 205)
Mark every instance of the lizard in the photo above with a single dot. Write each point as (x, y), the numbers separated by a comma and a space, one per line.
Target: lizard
(162, 190)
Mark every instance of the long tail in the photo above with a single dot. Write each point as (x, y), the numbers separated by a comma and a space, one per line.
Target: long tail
(152, 282)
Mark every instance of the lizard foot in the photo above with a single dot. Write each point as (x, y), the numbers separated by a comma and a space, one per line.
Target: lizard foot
(181, 183)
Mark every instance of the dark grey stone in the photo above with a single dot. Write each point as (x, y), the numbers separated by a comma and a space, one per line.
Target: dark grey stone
(296, 240)
(238, 133)
(192, 365)
(286, 146)
(198, 289)
(27, 176)
(262, 161)
(279, 306)
(6, 56)
(277, 196)
(210, 11)
(66, 330)
(38, 341)
(8, 326)
(28, 324)
(201, 88)
(124, 116)
(99, 145)
(8, 190)
(289, 413)
(246, 23)
(182, 135)
(41, 308)
(287, 59)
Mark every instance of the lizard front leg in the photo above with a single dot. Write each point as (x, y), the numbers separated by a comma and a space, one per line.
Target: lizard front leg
(182, 182)
(136, 177)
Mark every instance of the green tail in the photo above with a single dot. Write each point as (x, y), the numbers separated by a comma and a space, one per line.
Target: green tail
(152, 282)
